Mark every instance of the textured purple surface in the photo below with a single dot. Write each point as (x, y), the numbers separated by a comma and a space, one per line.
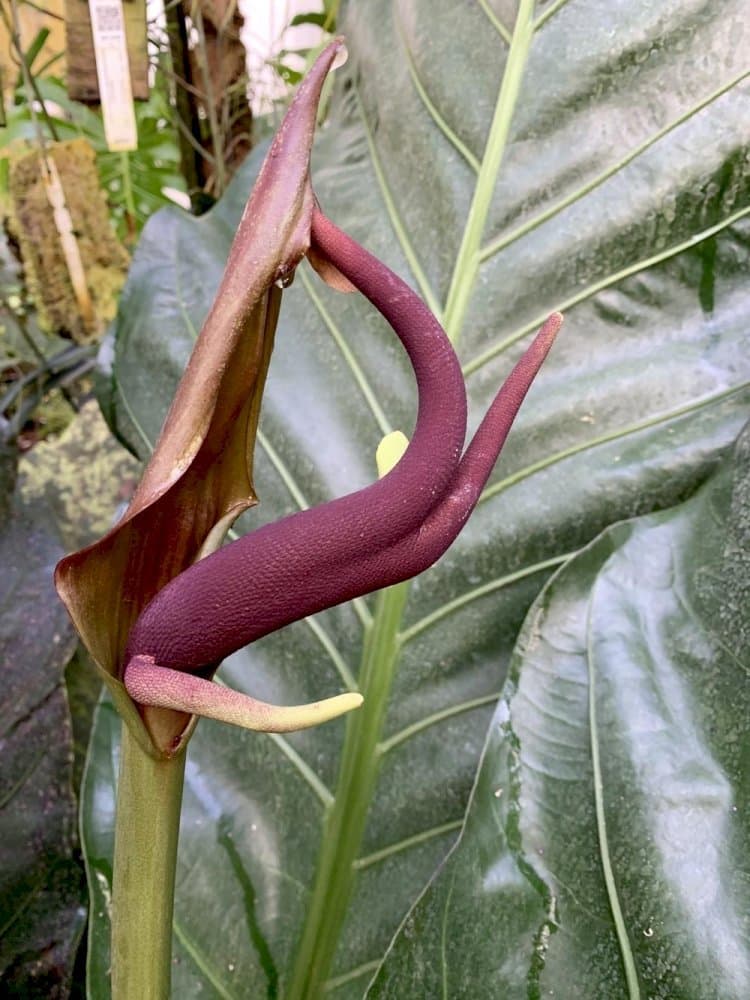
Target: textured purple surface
(375, 537)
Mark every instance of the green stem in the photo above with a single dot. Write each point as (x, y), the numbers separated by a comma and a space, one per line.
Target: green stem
(469, 258)
(149, 795)
(346, 820)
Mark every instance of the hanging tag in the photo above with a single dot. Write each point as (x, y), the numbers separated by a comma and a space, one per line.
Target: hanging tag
(113, 74)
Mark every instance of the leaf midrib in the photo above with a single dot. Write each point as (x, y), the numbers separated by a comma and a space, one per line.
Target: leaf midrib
(610, 881)
(335, 873)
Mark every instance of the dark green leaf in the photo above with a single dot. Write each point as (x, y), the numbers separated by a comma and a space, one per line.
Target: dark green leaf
(8, 462)
(624, 163)
(603, 849)
(34, 49)
(41, 891)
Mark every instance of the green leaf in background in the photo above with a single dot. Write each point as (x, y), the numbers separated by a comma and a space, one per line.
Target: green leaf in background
(134, 182)
(597, 164)
(604, 848)
(41, 892)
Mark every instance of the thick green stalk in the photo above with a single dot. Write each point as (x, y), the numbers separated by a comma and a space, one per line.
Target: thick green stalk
(149, 795)
(346, 820)
(469, 258)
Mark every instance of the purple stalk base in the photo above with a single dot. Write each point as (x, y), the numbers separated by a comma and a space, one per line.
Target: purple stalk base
(378, 536)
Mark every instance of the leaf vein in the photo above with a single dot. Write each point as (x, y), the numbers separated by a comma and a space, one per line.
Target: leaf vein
(199, 960)
(495, 21)
(626, 951)
(621, 432)
(398, 227)
(498, 244)
(359, 376)
(474, 595)
(432, 720)
(598, 286)
(545, 15)
(312, 779)
(407, 843)
(346, 977)
(431, 108)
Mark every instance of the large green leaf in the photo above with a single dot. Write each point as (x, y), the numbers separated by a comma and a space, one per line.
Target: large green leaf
(604, 848)
(41, 891)
(621, 194)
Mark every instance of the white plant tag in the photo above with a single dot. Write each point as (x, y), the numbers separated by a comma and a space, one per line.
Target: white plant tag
(113, 74)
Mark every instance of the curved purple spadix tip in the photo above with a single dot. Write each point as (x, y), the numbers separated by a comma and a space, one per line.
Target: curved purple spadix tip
(364, 541)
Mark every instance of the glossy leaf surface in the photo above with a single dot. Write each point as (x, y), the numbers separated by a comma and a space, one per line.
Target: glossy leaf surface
(42, 912)
(604, 844)
(621, 197)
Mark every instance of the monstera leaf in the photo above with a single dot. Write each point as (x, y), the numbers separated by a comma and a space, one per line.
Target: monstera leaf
(506, 159)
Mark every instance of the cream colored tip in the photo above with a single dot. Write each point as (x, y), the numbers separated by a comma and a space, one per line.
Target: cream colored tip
(149, 684)
(390, 452)
(341, 56)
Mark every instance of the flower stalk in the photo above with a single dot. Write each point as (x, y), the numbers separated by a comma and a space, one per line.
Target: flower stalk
(149, 796)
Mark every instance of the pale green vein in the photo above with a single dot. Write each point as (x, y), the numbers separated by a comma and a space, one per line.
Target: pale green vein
(330, 647)
(552, 9)
(184, 312)
(296, 760)
(600, 285)
(503, 241)
(283, 472)
(628, 959)
(398, 227)
(359, 376)
(495, 21)
(435, 719)
(441, 123)
(474, 595)
(304, 769)
(347, 977)
(407, 843)
(200, 962)
(133, 419)
(22, 779)
(467, 261)
(621, 432)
